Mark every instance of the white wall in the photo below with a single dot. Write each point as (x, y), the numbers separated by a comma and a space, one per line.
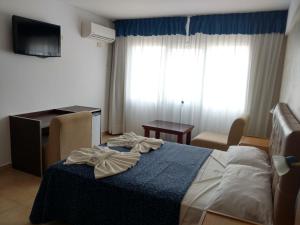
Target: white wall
(79, 77)
(290, 89)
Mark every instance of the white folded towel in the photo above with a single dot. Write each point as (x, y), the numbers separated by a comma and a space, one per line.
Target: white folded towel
(136, 143)
(107, 162)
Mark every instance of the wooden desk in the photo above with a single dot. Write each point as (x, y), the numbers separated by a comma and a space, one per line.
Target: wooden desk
(178, 129)
(29, 136)
(216, 218)
(260, 143)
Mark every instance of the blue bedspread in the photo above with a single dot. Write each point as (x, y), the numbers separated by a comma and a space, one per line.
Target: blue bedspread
(148, 194)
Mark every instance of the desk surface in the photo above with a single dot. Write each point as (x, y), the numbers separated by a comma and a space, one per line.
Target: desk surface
(46, 116)
(215, 218)
(78, 108)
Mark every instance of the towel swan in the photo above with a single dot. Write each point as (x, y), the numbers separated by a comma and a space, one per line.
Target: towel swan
(136, 143)
(107, 162)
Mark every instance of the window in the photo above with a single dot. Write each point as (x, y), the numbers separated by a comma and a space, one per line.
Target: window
(216, 75)
(211, 78)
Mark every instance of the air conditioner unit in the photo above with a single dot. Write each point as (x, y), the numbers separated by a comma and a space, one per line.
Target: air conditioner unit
(99, 32)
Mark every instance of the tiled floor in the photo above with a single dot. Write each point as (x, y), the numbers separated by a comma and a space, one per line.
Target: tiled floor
(17, 193)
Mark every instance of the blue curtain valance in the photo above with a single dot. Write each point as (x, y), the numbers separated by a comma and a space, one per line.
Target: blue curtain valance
(235, 23)
(151, 26)
(240, 23)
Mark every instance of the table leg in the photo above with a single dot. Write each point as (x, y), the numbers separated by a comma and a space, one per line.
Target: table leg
(188, 138)
(180, 138)
(157, 134)
(147, 132)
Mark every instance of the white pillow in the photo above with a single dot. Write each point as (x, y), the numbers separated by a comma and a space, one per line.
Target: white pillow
(247, 155)
(245, 192)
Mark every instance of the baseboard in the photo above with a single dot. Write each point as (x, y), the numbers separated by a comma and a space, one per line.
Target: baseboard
(107, 133)
(6, 166)
(104, 133)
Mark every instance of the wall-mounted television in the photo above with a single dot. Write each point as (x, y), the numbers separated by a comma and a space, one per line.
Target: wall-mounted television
(35, 38)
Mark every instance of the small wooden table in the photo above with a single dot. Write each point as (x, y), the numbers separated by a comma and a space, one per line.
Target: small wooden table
(178, 129)
(257, 142)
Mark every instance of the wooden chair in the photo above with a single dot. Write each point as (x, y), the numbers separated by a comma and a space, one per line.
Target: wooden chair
(222, 141)
(67, 133)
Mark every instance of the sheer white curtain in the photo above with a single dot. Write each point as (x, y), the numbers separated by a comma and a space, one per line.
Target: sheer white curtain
(215, 76)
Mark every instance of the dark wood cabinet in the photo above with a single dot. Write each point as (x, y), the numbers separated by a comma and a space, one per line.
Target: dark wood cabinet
(29, 135)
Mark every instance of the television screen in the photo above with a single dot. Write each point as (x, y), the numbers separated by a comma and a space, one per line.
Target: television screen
(31, 37)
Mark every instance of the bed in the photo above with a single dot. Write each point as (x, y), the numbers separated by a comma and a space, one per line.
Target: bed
(170, 186)
(285, 140)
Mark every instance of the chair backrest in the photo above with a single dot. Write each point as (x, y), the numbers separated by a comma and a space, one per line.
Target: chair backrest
(237, 130)
(67, 133)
